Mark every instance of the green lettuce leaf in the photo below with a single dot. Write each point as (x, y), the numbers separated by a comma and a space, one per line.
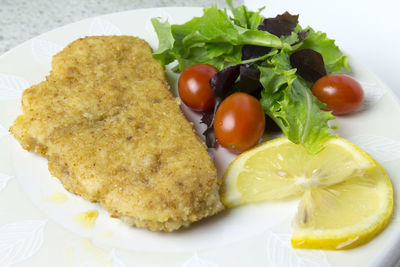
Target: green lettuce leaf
(287, 99)
(166, 41)
(245, 18)
(216, 38)
(212, 35)
(333, 58)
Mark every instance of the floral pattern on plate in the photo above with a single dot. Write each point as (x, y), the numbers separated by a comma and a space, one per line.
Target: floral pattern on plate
(4, 178)
(20, 240)
(197, 261)
(3, 131)
(381, 148)
(281, 254)
(43, 51)
(12, 86)
(100, 26)
(372, 94)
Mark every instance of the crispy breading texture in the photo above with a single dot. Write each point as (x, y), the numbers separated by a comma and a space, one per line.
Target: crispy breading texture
(113, 133)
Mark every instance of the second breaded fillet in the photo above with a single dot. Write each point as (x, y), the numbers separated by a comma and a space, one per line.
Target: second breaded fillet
(113, 133)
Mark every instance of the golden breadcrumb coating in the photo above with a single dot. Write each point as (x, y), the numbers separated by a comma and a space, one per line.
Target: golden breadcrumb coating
(113, 133)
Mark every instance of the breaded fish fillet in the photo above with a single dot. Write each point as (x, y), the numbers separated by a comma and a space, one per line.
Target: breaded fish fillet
(113, 133)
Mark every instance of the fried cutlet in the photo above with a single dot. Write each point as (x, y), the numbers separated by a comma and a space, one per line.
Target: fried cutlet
(113, 133)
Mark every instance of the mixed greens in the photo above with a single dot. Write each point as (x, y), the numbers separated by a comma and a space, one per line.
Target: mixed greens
(273, 59)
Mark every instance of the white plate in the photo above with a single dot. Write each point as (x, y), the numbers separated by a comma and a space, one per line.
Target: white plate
(38, 232)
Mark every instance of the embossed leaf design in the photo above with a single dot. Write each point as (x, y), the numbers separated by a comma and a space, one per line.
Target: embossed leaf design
(11, 86)
(117, 262)
(4, 178)
(103, 27)
(196, 261)
(20, 240)
(3, 131)
(281, 254)
(43, 51)
(87, 263)
(381, 148)
(372, 94)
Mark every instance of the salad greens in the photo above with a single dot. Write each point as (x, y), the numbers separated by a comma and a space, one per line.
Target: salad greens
(212, 39)
(288, 100)
(274, 59)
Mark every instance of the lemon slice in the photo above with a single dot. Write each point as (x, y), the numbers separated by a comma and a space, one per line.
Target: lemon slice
(347, 197)
(278, 169)
(344, 215)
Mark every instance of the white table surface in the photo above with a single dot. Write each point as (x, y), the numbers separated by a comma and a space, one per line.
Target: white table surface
(21, 20)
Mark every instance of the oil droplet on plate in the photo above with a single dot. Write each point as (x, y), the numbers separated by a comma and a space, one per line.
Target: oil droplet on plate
(99, 254)
(107, 234)
(87, 219)
(58, 198)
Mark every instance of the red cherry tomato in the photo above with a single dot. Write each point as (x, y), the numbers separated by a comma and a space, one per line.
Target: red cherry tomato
(341, 93)
(239, 122)
(194, 88)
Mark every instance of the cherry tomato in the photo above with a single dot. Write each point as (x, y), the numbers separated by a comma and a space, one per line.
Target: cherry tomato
(194, 88)
(341, 93)
(239, 122)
